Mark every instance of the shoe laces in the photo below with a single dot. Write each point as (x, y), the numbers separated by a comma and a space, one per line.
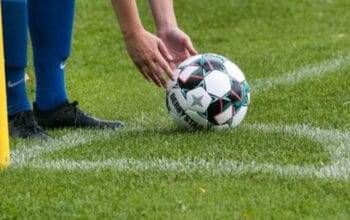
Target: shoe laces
(73, 107)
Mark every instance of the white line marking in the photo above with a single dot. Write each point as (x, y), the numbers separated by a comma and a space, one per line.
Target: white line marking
(337, 142)
(294, 77)
(204, 167)
(25, 154)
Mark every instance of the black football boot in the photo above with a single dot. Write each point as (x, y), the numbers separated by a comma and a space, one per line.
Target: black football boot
(23, 125)
(69, 115)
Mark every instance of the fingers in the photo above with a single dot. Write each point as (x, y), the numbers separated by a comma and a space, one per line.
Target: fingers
(142, 71)
(164, 51)
(154, 71)
(151, 75)
(157, 73)
(189, 47)
(163, 64)
(173, 67)
(152, 59)
(165, 67)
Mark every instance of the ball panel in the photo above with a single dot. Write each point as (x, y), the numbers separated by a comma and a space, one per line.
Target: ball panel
(236, 92)
(217, 83)
(198, 100)
(239, 116)
(201, 122)
(176, 101)
(224, 116)
(171, 107)
(177, 111)
(210, 62)
(215, 57)
(189, 61)
(217, 107)
(191, 77)
(234, 71)
(187, 72)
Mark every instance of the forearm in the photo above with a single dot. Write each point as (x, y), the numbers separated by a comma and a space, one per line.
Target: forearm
(128, 17)
(163, 14)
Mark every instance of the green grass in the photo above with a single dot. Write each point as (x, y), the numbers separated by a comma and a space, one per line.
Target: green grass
(266, 39)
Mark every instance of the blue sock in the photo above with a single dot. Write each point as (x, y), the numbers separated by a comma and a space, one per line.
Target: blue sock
(50, 24)
(15, 42)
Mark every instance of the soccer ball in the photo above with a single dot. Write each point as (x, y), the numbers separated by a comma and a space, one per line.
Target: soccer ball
(209, 92)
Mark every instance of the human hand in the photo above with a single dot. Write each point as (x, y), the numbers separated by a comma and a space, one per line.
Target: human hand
(178, 44)
(150, 56)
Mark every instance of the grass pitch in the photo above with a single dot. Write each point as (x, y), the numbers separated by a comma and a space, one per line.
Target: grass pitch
(289, 159)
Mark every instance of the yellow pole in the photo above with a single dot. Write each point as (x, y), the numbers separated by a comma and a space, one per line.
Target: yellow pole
(4, 135)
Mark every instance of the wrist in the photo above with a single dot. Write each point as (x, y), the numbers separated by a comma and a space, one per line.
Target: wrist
(132, 32)
(166, 27)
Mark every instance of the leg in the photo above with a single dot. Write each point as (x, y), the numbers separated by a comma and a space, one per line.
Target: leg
(21, 120)
(50, 24)
(15, 42)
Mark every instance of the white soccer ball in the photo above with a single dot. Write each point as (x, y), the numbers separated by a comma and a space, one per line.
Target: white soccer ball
(209, 92)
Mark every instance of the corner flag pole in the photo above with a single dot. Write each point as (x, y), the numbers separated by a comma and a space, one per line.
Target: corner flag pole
(4, 135)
